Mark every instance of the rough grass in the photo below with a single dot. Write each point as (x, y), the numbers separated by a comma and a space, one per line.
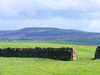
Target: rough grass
(40, 66)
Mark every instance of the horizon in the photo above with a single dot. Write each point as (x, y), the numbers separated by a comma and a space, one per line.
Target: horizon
(81, 15)
(48, 27)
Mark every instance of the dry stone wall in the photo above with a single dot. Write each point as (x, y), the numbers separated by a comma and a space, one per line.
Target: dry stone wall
(65, 54)
(97, 53)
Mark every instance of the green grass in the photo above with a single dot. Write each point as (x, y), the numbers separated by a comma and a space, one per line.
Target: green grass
(40, 66)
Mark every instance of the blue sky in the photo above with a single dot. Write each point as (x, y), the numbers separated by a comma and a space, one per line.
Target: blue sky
(66, 14)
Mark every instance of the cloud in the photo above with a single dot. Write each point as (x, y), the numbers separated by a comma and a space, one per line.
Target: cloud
(94, 26)
(68, 14)
(16, 7)
(57, 22)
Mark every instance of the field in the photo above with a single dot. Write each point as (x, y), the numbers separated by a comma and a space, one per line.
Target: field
(85, 65)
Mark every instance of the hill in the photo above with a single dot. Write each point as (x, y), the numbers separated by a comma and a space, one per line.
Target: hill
(52, 34)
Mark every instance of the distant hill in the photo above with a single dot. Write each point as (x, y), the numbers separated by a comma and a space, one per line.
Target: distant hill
(52, 34)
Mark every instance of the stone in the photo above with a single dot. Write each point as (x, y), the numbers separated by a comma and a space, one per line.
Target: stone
(97, 53)
(75, 56)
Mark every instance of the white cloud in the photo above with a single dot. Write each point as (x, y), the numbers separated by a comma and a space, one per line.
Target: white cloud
(59, 22)
(15, 8)
(52, 22)
(59, 4)
(94, 26)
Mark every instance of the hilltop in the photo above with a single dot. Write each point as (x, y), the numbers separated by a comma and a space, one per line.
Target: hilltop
(51, 34)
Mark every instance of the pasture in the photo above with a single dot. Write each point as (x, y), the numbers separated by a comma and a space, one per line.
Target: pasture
(41, 66)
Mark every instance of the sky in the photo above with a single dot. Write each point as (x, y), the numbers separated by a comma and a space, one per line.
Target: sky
(66, 14)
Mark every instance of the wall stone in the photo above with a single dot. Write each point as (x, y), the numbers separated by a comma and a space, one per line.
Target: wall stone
(97, 53)
(65, 54)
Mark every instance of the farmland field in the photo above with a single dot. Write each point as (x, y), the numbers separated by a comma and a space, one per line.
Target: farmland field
(41, 66)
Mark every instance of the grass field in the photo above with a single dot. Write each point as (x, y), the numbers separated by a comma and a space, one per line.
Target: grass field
(39, 66)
